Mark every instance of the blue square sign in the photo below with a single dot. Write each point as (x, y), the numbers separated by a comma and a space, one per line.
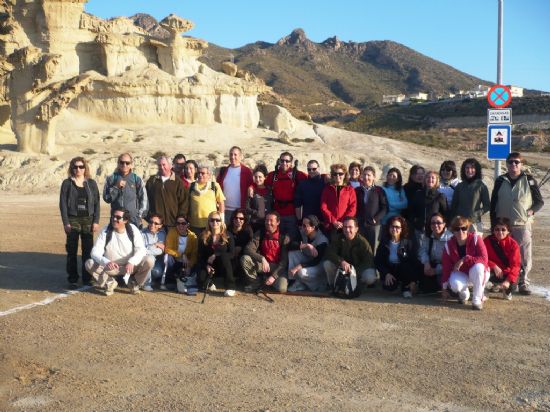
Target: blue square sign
(499, 141)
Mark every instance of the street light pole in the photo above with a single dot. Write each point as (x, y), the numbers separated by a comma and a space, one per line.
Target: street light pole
(499, 64)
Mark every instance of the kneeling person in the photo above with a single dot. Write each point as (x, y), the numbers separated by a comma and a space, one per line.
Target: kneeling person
(119, 250)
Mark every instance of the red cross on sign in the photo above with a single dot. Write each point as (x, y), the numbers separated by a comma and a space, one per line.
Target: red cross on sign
(499, 96)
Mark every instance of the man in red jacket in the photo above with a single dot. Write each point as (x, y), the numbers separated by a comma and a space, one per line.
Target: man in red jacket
(283, 183)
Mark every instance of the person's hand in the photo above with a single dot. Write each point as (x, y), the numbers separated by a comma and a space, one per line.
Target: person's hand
(211, 259)
(95, 227)
(292, 272)
(505, 285)
(458, 265)
(498, 272)
(444, 295)
(270, 281)
(112, 266)
(346, 267)
(129, 268)
(428, 270)
(209, 269)
(312, 251)
(161, 246)
(121, 183)
(337, 225)
(530, 213)
(250, 191)
(67, 228)
(184, 259)
(265, 265)
(389, 280)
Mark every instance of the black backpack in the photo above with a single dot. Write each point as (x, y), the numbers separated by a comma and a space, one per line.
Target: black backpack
(109, 235)
(346, 285)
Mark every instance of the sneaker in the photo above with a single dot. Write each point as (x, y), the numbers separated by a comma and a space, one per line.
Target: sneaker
(407, 294)
(229, 293)
(148, 288)
(163, 287)
(524, 289)
(507, 295)
(463, 296)
(72, 286)
(110, 287)
(297, 286)
(192, 291)
(477, 306)
(212, 288)
(133, 286)
(495, 288)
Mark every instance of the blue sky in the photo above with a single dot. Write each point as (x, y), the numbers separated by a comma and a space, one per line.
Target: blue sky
(461, 33)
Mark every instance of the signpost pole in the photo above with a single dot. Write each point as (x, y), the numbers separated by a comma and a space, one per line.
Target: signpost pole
(499, 64)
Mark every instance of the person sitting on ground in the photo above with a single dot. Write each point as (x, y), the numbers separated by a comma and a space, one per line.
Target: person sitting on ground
(465, 263)
(349, 249)
(181, 253)
(305, 265)
(395, 259)
(190, 170)
(79, 208)
(259, 198)
(338, 199)
(397, 200)
(124, 189)
(448, 180)
(205, 196)
(216, 248)
(354, 170)
(119, 250)
(372, 205)
(307, 199)
(503, 257)
(178, 165)
(234, 181)
(153, 238)
(430, 253)
(265, 259)
(242, 234)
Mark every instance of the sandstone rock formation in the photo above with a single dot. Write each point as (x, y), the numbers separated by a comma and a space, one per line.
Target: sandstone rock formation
(57, 58)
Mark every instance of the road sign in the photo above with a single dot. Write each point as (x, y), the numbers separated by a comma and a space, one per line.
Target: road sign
(499, 141)
(499, 116)
(499, 96)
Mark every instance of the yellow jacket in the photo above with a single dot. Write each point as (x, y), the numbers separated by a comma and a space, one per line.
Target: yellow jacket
(191, 249)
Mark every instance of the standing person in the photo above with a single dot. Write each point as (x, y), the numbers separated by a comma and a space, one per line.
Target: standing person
(415, 182)
(471, 197)
(424, 203)
(154, 238)
(372, 205)
(259, 199)
(234, 181)
(181, 252)
(504, 257)
(125, 190)
(307, 199)
(395, 259)
(178, 165)
(354, 170)
(216, 248)
(397, 200)
(338, 199)
(167, 196)
(119, 250)
(465, 264)
(283, 182)
(349, 249)
(189, 173)
(516, 196)
(79, 208)
(205, 196)
(448, 179)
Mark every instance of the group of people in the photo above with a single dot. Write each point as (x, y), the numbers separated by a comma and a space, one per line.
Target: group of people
(295, 231)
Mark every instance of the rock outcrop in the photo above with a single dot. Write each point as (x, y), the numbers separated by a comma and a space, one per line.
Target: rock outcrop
(57, 57)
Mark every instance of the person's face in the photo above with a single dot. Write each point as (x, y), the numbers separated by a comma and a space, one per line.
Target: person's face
(354, 173)
(259, 178)
(312, 169)
(124, 165)
(338, 176)
(469, 170)
(395, 229)
(164, 167)
(271, 223)
(190, 171)
(418, 177)
(446, 173)
(500, 232)
(461, 232)
(238, 221)
(350, 229)
(306, 227)
(437, 225)
(514, 166)
(117, 220)
(285, 162)
(155, 225)
(368, 177)
(431, 181)
(235, 157)
(178, 166)
(204, 175)
(391, 178)
(215, 222)
(78, 169)
(182, 226)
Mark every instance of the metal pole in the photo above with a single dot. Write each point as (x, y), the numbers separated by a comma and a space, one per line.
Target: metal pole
(499, 63)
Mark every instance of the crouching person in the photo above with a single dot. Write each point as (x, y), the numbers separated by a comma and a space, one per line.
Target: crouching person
(265, 259)
(181, 257)
(305, 264)
(153, 238)
(349, 249)
(119, 250)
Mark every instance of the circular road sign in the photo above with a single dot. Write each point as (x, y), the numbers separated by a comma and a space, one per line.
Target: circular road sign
(499, 96)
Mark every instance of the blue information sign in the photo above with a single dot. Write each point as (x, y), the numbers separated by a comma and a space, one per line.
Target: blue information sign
(499, 138)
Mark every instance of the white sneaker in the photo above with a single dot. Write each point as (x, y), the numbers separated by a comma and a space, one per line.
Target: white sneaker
(463, 296)
(230, 293)
(110, 287)
(148, 288)
(407, 294)
(212, 288)
(134, 287)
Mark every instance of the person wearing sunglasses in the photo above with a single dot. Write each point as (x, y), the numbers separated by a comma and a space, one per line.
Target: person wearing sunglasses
(79, 208)
(465, 264)
(307, 200)
(181, 255)
(242, 233)
(258, 202)
(504, 257)
(205, 196)
(448, 180)
(216, 248)
(338, 199)
(154, 238)
(125, 189)
(178, 165)
(516, 196)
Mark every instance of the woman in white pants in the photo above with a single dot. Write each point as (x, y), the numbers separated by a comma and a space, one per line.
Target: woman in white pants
(465, 263)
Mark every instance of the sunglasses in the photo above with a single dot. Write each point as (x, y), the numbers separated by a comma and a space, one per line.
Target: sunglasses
(122, 162)
(181, 223)
(215, 220)
(437, 222)
(179, 165)
(238, 218)
(156, 223)
(285, 160)
(311, 169)
(514, 162)
(396, 227)
(79, 167)
(461, 229)
(337, 174)
(117, 218)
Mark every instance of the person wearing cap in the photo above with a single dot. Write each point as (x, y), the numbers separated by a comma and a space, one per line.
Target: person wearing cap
(305, 264)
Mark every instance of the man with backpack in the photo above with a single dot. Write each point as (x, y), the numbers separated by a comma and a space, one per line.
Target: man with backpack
(119, 250)
(124, 189)
(205, 196)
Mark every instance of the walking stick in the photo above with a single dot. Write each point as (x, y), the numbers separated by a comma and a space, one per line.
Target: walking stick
(208, 283)
(163, 278)
(261, 291)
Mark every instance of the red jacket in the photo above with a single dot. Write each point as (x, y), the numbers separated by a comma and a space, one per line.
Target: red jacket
(335, 207)
(511, 250)
(283, 189)
(475, 253)
(246, 181)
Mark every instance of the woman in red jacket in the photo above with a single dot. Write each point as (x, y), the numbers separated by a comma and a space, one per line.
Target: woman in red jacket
(504, 257)
(338, 199)
(464, 264)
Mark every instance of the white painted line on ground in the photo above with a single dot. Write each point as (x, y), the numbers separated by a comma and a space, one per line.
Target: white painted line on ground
(44, 302)
(541, 291)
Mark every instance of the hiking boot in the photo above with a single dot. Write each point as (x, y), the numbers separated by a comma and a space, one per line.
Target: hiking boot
(72, 286)
(133, 286)
(110, 287)
(229, 293)
(463, 296)
(507, 295)
(212, 288)
(495, 288)
(297, 286)
(148, 288)
(407, 294)
(524, 289)
(477, 306)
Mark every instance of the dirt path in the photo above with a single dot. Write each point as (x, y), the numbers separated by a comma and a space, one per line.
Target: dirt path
(163, 351)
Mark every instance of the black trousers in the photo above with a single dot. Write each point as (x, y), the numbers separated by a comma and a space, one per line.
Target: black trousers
(81, 227)
(223, 268)
(405, 273)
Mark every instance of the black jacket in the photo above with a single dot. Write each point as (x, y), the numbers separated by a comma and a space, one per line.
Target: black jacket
(405, 254)
(424, 203)
(68, 199)
(372, 212)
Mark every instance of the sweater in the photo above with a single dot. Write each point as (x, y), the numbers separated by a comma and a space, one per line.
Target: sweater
(397, 201)
(356, 252)
(119, 249)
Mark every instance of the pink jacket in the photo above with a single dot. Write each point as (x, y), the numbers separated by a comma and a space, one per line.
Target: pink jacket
(475, 253)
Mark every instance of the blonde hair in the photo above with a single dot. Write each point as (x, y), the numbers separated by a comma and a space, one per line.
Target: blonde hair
(338, 166)
(207, 233)
(432, 172)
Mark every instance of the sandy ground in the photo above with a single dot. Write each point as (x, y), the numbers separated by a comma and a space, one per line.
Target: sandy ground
(163, 351)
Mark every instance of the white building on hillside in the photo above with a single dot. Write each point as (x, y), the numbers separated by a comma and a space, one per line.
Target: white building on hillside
(418, 96)
(393, 98)
(516, 91)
